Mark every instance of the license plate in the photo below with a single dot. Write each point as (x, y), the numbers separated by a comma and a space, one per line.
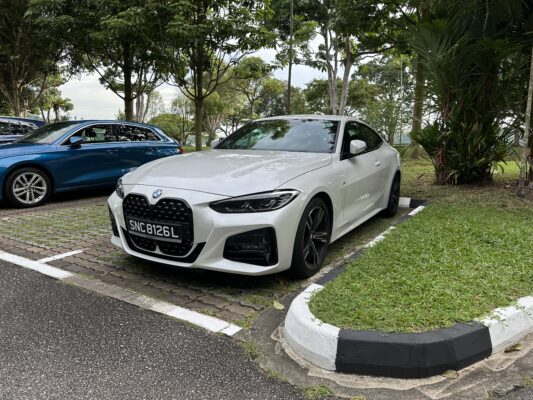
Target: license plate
(154, 230)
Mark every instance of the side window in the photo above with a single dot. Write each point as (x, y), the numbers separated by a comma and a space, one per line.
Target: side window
(97, 134)
(131, 133)
(5, 128)
(355, 131)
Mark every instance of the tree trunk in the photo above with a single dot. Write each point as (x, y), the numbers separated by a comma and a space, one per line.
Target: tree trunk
(146, 107)
(348, 62)
(128, 86)
(291, 39)
(198, 121)
(420, 77)
(17, 107)
(332, 76)
(523, 165)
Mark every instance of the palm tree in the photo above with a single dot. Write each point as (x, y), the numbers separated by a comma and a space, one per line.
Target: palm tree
(468, 51)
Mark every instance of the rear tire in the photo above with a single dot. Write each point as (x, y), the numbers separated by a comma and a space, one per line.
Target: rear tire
(394, 198)
(312, 239)
(28, 187)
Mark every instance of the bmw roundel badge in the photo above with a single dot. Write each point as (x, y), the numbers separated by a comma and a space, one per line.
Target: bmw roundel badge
(157, 194)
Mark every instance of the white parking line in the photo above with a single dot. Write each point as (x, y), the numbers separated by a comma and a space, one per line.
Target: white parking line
(208, 322)
(379, 238)
(45, 269)
(60, 256)
(416, 210)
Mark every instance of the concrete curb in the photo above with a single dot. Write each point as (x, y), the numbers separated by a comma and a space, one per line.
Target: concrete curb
(416, 355)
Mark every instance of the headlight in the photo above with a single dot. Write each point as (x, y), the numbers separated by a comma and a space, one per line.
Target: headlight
(260, 202)
(120, 189)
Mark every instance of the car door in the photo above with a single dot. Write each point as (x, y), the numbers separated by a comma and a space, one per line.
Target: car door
(138, 145)
(361, 173)
(95, 162)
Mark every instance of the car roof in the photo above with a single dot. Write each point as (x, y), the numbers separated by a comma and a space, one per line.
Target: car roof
(21, 121)
(108, 121)
(313, 116)
(82, 122)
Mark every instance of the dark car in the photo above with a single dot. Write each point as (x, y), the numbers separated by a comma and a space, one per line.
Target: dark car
(12, 128)
(75, 155)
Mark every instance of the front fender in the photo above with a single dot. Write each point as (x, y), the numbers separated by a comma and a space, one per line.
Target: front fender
(323, 180)
(48, 162)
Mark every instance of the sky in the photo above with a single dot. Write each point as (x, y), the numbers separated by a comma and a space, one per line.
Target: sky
(92, 101)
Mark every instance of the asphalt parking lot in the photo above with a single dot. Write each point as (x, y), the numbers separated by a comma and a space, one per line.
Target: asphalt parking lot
(78, 227)
(59, 342)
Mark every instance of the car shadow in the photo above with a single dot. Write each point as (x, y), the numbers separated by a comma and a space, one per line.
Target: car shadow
(64, 198)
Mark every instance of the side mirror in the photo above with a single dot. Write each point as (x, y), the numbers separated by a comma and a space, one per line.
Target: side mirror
(75, 141)
(215, 143)
(357, 147)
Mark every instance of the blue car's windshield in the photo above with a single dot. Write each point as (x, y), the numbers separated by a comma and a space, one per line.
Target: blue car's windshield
(47, 134)
(291, 134)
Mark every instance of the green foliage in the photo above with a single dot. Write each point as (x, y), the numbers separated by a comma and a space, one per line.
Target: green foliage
(118, 39)
(465, 153)
(384, 89)
(30, 49)
(206, 39)
(317, 392)
(174, 125)
(52, 101)
(273, 99)
(5, 107)
(251, 75)
(304, 30)
(469, 52)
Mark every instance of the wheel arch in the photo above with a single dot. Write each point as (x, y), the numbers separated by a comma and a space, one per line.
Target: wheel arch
(398, 174)
(329, 203)
(22, 165)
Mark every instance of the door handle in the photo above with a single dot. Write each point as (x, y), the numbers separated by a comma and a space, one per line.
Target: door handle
(153, 149)
(112, 151)
(377, 163)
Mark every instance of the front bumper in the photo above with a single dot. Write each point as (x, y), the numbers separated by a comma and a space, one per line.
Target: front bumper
(212, 229)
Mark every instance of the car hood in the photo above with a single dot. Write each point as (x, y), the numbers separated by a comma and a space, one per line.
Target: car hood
(227, 172)
(20, 149)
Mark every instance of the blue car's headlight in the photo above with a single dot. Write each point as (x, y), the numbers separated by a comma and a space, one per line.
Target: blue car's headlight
(120, 189)
(260, 202)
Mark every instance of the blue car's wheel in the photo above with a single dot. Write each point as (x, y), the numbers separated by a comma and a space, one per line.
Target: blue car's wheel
(28, 187)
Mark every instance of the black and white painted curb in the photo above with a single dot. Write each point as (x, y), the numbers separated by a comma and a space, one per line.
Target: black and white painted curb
(402, 355)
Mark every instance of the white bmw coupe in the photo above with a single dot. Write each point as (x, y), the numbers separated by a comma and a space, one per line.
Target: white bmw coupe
(269, 197)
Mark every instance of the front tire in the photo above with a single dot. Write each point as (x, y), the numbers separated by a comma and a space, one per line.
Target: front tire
(312, 239)
(28, 187)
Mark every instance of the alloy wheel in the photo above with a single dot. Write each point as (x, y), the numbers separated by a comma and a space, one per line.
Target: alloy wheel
(315, 237)
(29, 188)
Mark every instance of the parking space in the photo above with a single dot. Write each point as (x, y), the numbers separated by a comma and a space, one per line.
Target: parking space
(66, 227)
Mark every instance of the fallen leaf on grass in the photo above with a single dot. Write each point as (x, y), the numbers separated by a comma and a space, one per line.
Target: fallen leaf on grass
(278, 305)
(450, 374)
(514, 347)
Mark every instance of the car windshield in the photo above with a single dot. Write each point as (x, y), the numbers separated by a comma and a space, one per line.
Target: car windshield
(291, 134)
(47, 134)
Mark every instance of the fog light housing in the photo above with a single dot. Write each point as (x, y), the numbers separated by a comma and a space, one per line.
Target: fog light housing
(256, 247)
(114, 227)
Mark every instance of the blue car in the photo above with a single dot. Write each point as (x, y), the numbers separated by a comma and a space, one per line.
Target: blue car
(75, 155)
(13, 128)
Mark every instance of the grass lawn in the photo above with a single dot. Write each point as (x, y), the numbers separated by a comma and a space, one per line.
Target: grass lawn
(467, 253)
(190, 149)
